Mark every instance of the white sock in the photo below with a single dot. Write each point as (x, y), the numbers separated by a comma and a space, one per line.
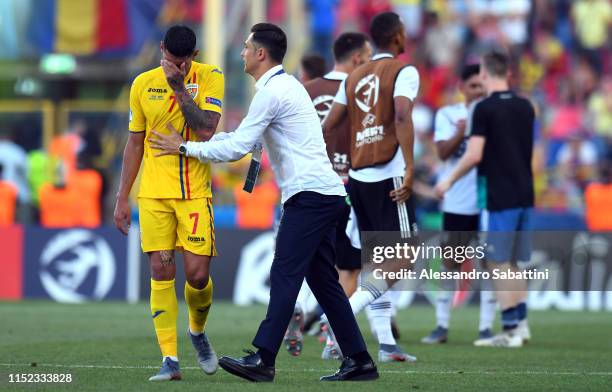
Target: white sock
(303, 296)
(175, 359)
(360, 299)
(444, 303)
(310, 305)
(365, 295)
(488, 307)
(379, 314)
(394, 296)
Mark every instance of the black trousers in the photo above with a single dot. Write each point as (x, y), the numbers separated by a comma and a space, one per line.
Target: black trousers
(305, 249)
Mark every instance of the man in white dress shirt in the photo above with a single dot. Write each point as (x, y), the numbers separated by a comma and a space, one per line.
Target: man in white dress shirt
(281, 115)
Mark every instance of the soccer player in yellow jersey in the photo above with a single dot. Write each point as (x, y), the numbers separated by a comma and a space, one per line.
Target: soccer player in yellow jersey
(174, 200)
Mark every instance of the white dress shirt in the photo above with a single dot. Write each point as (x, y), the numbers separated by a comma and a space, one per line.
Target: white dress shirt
(406, 85)
(282, 114)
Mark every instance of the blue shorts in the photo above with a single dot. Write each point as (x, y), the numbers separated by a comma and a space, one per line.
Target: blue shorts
(508, 234)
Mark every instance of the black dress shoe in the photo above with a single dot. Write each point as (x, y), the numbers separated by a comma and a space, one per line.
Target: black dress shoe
(249, 367)
(351, 370)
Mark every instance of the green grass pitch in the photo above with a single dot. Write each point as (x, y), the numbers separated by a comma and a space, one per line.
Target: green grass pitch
(111, 347)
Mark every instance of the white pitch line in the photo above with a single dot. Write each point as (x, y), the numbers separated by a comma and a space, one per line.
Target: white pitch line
(513, 373)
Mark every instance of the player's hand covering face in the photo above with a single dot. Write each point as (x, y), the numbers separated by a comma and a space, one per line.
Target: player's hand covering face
(167, 144)
(174, 75)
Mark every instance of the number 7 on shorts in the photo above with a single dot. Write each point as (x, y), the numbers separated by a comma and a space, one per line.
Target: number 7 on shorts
(196, 217)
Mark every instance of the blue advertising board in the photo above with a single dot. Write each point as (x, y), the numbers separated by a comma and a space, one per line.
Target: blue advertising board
(74, 265)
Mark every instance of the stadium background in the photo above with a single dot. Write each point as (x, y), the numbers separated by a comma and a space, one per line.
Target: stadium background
(65, 71)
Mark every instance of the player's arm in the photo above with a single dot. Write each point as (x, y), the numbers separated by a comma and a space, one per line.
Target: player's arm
(471, 158)
(405, 91)
(132, 157)
(446, 148)
(202, 122)
(404, 131)
(473, 153)
(336, 114)
(235, 145)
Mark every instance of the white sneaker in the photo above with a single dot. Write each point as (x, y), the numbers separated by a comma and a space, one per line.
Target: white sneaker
(332, 348)
(293, 337)
(504, 339)
(397, 355)
(205, 354)
(523, 331)
(331, 351)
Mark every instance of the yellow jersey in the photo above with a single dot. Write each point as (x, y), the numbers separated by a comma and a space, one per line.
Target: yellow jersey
(152, 106)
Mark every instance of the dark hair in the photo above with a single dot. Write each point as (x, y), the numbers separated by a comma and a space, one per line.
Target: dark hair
(383, 28)
(496, 64)
(272, 38)
(180, 41)
(469, 70)
(313, 65)
(346, 44)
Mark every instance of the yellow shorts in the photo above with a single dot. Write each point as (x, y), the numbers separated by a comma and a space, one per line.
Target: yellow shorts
(166, 224)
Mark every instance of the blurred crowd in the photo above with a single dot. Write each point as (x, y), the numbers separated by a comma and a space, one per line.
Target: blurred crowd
(561, 61)
(63, 186)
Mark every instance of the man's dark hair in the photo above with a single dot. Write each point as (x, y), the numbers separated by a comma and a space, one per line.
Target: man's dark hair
(383, 28)
(313, 65)
(496, 64)
(272, 38)
(469, 70)
(180, 41)
(346, 44)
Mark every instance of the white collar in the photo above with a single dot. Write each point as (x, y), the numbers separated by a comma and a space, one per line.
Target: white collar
(267, 76)
(382, 55)
(335, 75)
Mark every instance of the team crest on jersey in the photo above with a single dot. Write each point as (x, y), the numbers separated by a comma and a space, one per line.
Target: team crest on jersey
(193, 89)
(366, 92)
(323, 104)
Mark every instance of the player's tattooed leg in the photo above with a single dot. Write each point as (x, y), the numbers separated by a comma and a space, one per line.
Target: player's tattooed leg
(167, 257)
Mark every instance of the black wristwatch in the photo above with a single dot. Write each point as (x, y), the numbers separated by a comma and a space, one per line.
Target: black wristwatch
(183, 149)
